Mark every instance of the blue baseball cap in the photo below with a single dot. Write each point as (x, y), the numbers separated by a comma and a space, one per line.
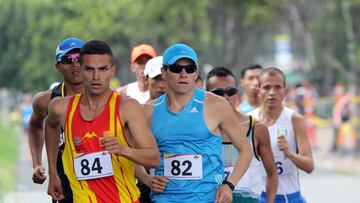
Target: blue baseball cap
(67, 45)
(178, 51)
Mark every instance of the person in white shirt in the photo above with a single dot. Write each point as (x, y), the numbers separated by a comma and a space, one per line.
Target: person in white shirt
(140, 55)
(289, 141)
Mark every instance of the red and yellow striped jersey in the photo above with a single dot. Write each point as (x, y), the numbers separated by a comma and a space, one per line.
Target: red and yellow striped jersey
(83, 137)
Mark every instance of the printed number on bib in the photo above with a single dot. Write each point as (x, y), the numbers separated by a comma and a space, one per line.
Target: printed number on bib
(94, 165)
(184, 167)
(284, 166)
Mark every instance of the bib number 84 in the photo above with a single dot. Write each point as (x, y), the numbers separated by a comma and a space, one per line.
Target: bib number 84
(93, 165)
(85, 170)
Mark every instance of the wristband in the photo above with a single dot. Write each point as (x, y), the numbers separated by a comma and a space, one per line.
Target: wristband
(228, 183)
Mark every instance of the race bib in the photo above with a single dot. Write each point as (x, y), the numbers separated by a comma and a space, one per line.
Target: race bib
(93, 165)
(183, 166)
(283, 165)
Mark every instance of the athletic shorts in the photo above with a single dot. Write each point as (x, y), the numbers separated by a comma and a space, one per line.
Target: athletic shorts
(287, 198)
(67, 192)
(244, 197)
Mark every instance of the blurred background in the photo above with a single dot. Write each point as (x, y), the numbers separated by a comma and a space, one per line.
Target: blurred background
(315, 42)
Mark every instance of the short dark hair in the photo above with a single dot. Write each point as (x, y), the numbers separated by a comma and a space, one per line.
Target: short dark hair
(273, 71)
(95, 47)
(219, 72)
(250, 67)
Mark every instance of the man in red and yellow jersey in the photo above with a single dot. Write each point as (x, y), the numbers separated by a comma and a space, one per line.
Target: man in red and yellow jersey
(104, 132)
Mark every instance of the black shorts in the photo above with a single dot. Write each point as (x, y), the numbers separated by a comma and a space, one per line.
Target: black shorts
(67, 192)
(144, 193)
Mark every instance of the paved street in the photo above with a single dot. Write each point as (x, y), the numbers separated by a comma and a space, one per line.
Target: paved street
(25, 190)
(330, 187)
(335, 179)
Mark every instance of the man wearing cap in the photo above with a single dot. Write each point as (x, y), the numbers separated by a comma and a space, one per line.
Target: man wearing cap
(139, 56)
(186, 124)
(153, 78)
(66, 56)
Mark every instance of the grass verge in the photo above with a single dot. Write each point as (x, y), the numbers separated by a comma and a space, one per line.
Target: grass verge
(8, 157)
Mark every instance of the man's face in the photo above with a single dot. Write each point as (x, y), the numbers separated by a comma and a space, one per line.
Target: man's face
(139, 65)
(97, 71)
(69, 67)
(157, 86)
(250, 82)
(227, 83)
(181, 82)
(272, 90)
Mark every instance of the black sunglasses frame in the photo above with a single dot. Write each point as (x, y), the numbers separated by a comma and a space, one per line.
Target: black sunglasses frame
(175, 68)
(229, 91)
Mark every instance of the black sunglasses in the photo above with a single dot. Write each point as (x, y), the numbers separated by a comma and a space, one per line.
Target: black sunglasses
(229, 91)
(175, 68)
(70, 58)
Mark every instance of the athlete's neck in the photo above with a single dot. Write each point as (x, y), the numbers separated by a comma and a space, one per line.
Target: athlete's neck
(71, 89)
(93, 105)
(141, 86)
(253, 100)
(176, 102)
(270, 115)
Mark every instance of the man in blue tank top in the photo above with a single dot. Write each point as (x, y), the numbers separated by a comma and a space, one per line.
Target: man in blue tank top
(186, 123)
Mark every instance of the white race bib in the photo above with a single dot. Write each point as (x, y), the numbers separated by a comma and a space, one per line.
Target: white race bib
(283, 165)
(183, 166)
(93, 165)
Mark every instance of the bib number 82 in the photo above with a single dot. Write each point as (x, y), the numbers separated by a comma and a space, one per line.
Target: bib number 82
(176, 170)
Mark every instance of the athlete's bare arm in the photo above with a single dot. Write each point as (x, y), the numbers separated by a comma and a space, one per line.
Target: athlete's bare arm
(227, 122)
(303, 159)
(53, 123)
(145, 151)
(35, 134)
(262, 139)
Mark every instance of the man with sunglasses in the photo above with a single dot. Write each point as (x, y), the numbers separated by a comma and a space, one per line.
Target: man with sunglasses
(289, 142)
(222, 82)
(67, 57)
(186, 124)
(140, 55)
(105, 134)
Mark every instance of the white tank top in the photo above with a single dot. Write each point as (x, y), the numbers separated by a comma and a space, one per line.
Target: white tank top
(286, 169)
(133, 91)
(251, 181)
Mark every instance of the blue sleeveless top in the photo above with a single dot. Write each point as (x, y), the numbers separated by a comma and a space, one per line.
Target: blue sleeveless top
(182, 133)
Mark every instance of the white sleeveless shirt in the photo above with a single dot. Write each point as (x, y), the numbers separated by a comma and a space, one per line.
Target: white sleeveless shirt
(251, 181)
(133, 91)
(287, 171)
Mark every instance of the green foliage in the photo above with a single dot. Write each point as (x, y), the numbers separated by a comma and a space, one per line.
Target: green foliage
(8, 158)
(229, 33)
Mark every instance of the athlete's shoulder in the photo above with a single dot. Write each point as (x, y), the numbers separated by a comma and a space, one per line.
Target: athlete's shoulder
(41, 101)
(260, 129)
(59, 104)
(212, 100)
(128, 101)
(297, 120)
